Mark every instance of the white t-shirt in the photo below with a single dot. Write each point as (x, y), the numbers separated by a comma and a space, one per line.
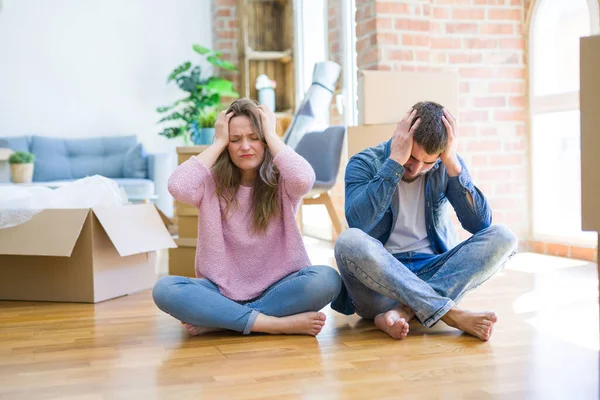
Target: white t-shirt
(410, 232)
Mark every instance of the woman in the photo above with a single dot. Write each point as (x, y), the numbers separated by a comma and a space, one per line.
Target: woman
(256, 274)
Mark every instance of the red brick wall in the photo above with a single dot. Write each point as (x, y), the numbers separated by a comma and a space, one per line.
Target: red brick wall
(225, 33)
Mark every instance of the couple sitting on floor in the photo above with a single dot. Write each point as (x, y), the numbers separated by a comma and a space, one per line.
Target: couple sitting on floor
(398, 260)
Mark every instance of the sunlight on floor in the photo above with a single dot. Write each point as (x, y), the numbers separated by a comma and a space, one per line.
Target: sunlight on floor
(535, 263)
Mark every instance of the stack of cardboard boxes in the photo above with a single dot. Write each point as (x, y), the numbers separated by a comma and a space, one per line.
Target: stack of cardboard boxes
(181, 259)
(384, 98)
(589, 100)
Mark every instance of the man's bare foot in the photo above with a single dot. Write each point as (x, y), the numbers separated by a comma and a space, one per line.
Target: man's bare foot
(478, 324)
(395, 322)
(308, 323)
(198, 330)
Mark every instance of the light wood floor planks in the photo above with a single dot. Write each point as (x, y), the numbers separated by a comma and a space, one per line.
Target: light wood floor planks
(545, 346)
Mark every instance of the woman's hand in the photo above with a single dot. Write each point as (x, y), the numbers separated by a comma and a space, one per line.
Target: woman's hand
(222, 129)
(268, 122)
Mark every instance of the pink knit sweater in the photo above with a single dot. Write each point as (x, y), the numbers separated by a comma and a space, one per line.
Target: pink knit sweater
(242, 263)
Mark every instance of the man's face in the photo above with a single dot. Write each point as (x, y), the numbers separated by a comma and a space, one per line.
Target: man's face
(419, 163)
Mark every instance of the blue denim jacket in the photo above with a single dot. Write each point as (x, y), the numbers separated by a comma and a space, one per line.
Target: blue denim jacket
(371, 202)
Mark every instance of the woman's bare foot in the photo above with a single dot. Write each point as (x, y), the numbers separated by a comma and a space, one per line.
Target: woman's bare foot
(198, 330)
(308, 323)
(478, 324)
(394, 322)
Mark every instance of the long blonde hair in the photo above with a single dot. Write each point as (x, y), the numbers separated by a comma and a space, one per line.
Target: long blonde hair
(228, 177)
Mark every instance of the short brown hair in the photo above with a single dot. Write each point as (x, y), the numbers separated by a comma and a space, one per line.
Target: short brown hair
(431, 132)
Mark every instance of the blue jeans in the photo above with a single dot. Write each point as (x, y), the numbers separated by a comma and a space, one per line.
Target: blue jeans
(198, 301)
(430, 284)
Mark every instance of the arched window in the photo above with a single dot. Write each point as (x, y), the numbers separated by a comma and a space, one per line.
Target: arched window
(556, 26)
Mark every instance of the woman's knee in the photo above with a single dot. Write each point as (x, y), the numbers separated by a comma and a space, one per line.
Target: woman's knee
(326, 283)
(162, 292)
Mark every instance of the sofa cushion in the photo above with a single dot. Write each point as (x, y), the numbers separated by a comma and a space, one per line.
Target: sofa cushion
(16, 143)
(60, 159)
(52, 162)
(136, 163)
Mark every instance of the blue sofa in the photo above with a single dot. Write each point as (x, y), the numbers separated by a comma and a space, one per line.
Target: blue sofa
(121, 158)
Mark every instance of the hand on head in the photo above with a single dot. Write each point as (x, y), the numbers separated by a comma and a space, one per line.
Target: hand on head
(402, 140)
(222, 128)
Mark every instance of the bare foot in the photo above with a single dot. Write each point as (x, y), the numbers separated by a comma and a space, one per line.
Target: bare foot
(198, 330)
(478, 324)
(308, 323)
(394, 322)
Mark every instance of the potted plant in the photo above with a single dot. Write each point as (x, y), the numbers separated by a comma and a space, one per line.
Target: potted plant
(21, 166)
(204, 127)
(204, 95)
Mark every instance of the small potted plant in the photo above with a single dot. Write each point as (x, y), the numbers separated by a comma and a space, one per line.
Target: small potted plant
(204, 127)
(21, 166)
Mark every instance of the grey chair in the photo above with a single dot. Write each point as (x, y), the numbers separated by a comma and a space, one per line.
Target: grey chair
(323, 151)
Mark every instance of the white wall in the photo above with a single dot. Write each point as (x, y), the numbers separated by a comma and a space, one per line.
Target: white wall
(82, 68)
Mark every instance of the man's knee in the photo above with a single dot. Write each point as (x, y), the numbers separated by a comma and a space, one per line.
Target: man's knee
(504, 239)
(349, 240)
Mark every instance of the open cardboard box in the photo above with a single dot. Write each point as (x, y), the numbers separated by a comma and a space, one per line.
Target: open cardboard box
(82, 255)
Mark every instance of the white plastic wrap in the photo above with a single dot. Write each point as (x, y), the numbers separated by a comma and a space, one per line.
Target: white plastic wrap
(18, 204)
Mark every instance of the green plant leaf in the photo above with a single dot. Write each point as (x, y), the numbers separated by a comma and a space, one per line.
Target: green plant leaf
(219, 84)
(21, 157)
(172, 132)
(221, 63)
(171, 117)
(179, 70)
(201, 49)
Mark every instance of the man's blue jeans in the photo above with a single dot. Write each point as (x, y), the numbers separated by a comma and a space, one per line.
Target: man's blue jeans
(198, 301)
(430, 284)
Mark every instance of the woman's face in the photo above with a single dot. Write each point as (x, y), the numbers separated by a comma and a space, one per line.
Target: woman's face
(246, 150)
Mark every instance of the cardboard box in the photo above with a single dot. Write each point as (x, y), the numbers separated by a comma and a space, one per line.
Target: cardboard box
(82, 255)
(188, 226)
(589, 94)
(185, 208)
(384, 97)
(365, 136)
(182, 259)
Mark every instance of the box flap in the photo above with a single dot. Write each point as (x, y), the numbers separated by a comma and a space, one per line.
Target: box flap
(51, 232)
(134, 228)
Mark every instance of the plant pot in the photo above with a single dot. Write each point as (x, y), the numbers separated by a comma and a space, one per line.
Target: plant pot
(21, 173)
(196, 135)
(208, 135)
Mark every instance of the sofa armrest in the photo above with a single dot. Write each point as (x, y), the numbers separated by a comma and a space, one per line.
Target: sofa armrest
(160, 167)
(4, 166)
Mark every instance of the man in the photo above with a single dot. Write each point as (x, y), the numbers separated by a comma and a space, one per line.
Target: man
(399, 259)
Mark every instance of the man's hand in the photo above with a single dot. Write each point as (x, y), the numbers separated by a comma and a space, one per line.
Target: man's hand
(449, 157)
(402, 140)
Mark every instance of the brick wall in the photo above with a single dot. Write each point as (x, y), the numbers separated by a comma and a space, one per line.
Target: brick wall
(225, 33)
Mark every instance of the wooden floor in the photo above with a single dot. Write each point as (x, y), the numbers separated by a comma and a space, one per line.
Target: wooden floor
(545, 346)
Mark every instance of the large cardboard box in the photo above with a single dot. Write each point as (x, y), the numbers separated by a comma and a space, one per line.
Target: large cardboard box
(188, 226)
(182, 259)
(384, 96)
(82, 255)
(589, 93)
(365, 136)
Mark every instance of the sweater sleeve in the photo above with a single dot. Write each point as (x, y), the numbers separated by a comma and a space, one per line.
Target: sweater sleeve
(295, 173)
(188, 181)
